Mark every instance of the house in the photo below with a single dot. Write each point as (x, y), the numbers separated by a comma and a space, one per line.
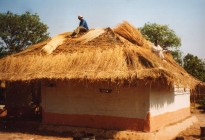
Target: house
(106, 78)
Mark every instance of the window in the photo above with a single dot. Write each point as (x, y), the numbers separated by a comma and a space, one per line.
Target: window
(105, 90)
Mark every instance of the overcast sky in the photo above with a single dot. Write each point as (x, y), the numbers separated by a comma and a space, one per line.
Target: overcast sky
(185, 17)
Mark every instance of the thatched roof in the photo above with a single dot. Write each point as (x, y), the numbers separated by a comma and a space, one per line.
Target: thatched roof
(200, 88)
(119, 54)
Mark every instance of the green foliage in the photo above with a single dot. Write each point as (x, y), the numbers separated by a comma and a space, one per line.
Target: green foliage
(19, 31)
(2, 52)
(165, 36)
(177, 55)
(194, 66)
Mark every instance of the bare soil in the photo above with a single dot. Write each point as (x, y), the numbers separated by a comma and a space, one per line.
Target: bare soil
(193, 132)
(22, 136)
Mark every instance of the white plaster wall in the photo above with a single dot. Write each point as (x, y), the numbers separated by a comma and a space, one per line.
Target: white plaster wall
(163, 101)
(123, 102)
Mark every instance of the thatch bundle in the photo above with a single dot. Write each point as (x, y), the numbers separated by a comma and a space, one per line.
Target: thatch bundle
(105, 55)
(91, 35)
(53, 44)
(131, 33)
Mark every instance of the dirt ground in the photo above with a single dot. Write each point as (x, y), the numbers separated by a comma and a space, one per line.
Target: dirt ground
(22, 136)
(193, 133)
(31, 132)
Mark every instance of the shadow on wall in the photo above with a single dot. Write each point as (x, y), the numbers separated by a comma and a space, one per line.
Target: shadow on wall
(161, 96)
(22, 98)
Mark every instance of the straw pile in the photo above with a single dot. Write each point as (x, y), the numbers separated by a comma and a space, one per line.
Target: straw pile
(131, 33)
(106, 55)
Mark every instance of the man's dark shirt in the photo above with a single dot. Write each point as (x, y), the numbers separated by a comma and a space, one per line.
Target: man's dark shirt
(84, 24)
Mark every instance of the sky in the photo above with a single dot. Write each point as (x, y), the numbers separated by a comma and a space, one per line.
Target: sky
(185, 17)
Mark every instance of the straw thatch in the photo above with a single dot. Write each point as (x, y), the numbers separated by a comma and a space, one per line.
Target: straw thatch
(132, 34)
(118, 56)
(200, 88)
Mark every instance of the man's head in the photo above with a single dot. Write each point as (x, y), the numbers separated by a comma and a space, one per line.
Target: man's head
(80, 17)
(156, 42)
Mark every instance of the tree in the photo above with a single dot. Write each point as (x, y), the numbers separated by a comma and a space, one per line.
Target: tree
(165, 36)
(177, 55)
(194, 66)
(19, 31)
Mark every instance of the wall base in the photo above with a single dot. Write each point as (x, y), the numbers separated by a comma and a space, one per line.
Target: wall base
(94, 121)
(149, 124)
(165, 133)
(168, 118)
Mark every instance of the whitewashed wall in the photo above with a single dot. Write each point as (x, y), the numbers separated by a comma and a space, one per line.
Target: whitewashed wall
(162, 101)
(124, 102)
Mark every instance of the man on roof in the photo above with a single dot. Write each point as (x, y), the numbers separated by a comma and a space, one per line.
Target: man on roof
(157, 49)
(83, 27)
